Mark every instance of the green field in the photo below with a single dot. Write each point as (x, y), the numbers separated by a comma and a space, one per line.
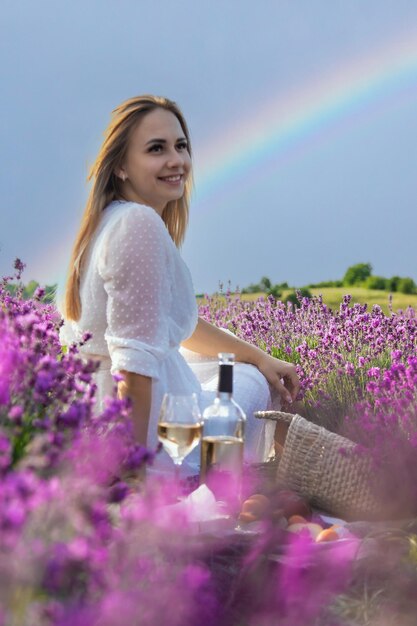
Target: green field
(332, 296)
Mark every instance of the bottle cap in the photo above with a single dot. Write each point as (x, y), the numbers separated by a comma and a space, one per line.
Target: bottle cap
(226, 358)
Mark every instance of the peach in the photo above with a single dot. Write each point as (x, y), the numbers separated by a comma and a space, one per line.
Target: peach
(258, 496)
(328, 534)
(313, 529)
(297, 519)
(257, 505)
(248, 518)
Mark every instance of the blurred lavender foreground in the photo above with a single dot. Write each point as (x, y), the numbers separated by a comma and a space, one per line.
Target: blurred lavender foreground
(82, 542)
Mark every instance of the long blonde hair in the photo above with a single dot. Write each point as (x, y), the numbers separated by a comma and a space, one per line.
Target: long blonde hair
(106, 188)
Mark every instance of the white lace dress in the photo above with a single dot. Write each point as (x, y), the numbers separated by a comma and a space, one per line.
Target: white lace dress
(139, 304)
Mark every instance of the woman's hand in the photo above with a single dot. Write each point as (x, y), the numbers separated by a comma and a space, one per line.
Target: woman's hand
(276, 371)
(207, 339)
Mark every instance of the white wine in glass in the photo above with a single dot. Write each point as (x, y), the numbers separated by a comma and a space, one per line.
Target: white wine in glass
(179, 426)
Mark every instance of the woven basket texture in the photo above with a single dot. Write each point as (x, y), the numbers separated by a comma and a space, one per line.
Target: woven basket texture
(324, 468)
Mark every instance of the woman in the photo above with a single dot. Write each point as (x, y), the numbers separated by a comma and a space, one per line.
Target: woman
(129, 287)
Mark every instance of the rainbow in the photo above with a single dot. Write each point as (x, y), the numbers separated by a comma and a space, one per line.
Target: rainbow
(289, 121)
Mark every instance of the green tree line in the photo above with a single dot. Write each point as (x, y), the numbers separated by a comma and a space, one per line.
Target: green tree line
(359, 275)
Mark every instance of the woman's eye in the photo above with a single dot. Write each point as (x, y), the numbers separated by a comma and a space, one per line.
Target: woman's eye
(183, 145)
(157, 147)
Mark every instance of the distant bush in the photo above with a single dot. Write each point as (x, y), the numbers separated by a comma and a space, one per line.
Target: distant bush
(357, 274)
(265, 283)
(275, 291)
(377, 282)
(265, 286)
(392, 283)
(406, 285)
(325, 284)
(297, 295)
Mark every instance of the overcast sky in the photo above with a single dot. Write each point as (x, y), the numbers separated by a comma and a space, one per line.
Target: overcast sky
(341, 190)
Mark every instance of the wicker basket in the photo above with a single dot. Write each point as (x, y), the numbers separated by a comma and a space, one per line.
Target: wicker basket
(325, 469)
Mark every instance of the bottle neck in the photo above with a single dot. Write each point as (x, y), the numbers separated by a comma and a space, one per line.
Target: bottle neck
(224, 396)
(225, 385)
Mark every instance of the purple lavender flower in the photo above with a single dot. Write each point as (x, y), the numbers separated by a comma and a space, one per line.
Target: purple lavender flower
(16, 413)
(19, 266)
(137, 457)
(39, 293)
(92, 554)
(118, 492)
(66, 571)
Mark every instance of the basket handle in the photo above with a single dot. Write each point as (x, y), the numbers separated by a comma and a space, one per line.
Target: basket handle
(275, 416)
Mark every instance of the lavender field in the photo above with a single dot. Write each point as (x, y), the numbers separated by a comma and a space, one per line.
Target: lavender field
(83, 541)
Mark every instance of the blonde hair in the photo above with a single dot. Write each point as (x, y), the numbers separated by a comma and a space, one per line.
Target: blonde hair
(106, 188)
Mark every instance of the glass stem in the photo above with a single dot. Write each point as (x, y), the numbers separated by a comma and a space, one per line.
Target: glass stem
(177, 472)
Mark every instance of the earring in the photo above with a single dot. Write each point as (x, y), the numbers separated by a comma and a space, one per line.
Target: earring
(124, 177)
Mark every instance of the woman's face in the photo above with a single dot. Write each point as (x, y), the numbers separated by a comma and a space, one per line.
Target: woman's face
(157, 162)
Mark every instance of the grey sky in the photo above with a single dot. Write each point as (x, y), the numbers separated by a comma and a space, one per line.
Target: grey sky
(346, 196)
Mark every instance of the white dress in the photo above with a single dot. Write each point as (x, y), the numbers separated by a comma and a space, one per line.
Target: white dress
(138, 302)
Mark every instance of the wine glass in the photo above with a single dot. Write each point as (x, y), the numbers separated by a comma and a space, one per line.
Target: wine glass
(179, 426)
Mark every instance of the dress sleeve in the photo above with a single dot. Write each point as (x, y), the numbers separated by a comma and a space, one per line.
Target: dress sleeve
(134, 265)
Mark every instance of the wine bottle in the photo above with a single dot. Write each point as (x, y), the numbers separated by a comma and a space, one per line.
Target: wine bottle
(223, 437)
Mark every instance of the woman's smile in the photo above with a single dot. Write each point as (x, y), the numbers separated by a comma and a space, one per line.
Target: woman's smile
(157, 162)
(173, 179)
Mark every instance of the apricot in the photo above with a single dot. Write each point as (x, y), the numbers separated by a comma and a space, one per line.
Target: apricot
(257, 505)
(248, 518)
(328, 534)
(264, 501)
(296, 528)
(313, 529)
(297, 519)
